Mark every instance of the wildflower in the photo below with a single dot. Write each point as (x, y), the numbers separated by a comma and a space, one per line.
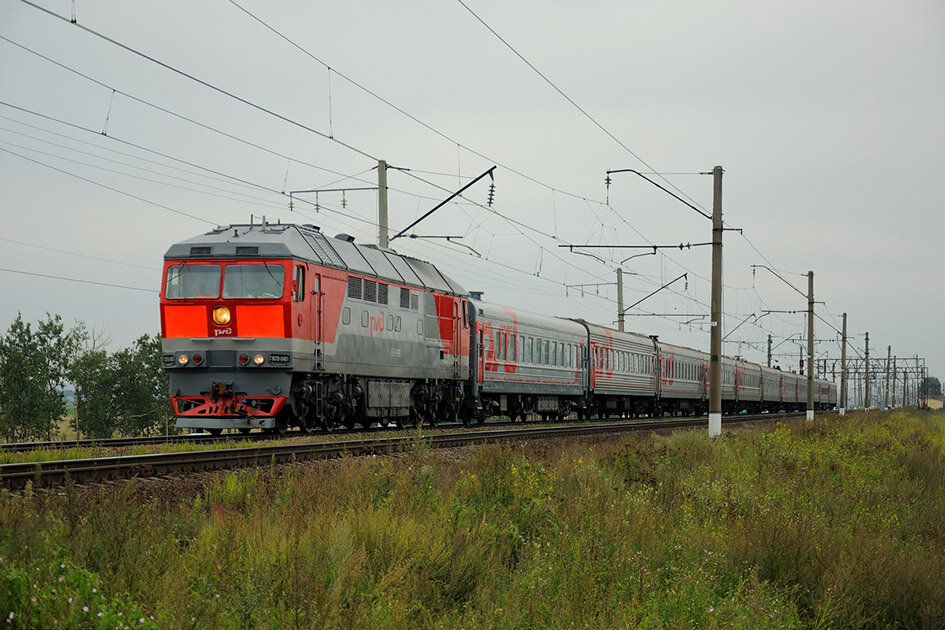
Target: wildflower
(95, 590)
(141, 620)
(711, 608)
(70, 600)
(101, 614)
(10, 618)
(85, 609)
(60, 578)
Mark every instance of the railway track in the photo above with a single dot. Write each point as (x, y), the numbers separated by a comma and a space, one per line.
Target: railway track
(60, 472)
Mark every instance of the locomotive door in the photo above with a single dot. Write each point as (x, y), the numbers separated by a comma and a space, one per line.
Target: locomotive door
(319, 319)
(457, 338)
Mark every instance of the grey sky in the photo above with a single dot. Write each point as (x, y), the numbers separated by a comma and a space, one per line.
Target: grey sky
(827, 118)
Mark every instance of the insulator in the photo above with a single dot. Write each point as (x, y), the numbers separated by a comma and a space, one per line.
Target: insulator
(491, 194)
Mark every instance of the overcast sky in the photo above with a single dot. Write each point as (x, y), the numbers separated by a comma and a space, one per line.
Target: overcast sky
(828, 118)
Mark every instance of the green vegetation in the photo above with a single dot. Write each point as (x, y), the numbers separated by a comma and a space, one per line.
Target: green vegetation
(123, 392)
(834, 523)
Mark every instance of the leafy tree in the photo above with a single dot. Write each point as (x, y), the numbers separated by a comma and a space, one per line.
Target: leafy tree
(140, 387)
(930, 386)
(94, 379)
(33, 368)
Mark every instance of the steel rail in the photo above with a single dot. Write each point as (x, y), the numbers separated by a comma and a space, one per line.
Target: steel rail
(60, 472)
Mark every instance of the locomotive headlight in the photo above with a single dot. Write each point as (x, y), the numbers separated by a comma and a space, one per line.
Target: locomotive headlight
(258, 359)
(182, 359)
(221, 315)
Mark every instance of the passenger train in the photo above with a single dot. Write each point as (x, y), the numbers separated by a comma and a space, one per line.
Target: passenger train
(276, 325)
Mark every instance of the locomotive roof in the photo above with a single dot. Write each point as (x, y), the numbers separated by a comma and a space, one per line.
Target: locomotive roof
(306, 242)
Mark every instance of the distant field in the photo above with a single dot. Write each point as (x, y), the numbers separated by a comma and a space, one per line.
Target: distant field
(835, 523)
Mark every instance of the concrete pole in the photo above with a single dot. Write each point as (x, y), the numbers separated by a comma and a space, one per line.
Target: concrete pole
(715, 349)
(888, 360)
(866, 374)
(843, 368)
(620, 315)
(894, 382)
(905, 379)
(382, 225)
(810, 346)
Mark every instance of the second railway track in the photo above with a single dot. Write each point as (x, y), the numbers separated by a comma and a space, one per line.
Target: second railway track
(59, 472)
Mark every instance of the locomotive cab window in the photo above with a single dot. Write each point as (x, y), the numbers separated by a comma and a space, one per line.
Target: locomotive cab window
(262, 281)
(192, 281)
(298, 283)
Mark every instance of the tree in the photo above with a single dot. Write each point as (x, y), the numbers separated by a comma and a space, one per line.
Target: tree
(930, 386)
(33, 368)
(94, 379)
(141, 386)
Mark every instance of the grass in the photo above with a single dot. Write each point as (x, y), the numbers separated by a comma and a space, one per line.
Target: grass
(824, 524)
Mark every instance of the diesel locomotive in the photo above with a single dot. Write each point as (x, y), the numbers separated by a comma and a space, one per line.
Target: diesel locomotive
(276, 325)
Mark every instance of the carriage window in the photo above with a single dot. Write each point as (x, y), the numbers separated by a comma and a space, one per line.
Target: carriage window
(253, 281)
(192, 281)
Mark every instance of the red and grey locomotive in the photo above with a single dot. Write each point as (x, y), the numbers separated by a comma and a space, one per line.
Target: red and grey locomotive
(271, 325)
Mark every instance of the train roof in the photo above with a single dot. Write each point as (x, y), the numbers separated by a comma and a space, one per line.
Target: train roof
(306, 242)
(524, 317)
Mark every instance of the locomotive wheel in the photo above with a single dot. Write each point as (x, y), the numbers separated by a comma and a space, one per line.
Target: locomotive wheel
(214, 432)
(245, 431)
(282, 422)
(384, 422)
(327, 424)
(309, 423)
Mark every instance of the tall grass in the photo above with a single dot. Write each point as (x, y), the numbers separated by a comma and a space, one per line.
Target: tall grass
(824, 524)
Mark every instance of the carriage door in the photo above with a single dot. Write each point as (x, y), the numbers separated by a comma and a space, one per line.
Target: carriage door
(482, 354)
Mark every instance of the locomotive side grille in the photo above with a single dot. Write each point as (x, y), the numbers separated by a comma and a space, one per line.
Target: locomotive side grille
(381, 293)
(404, 298)
(245, 250)
(370, 291)
(414, 302)
(354, 288)
(199, 251)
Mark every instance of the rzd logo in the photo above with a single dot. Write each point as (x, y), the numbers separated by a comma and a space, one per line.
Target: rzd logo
(222, 331)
